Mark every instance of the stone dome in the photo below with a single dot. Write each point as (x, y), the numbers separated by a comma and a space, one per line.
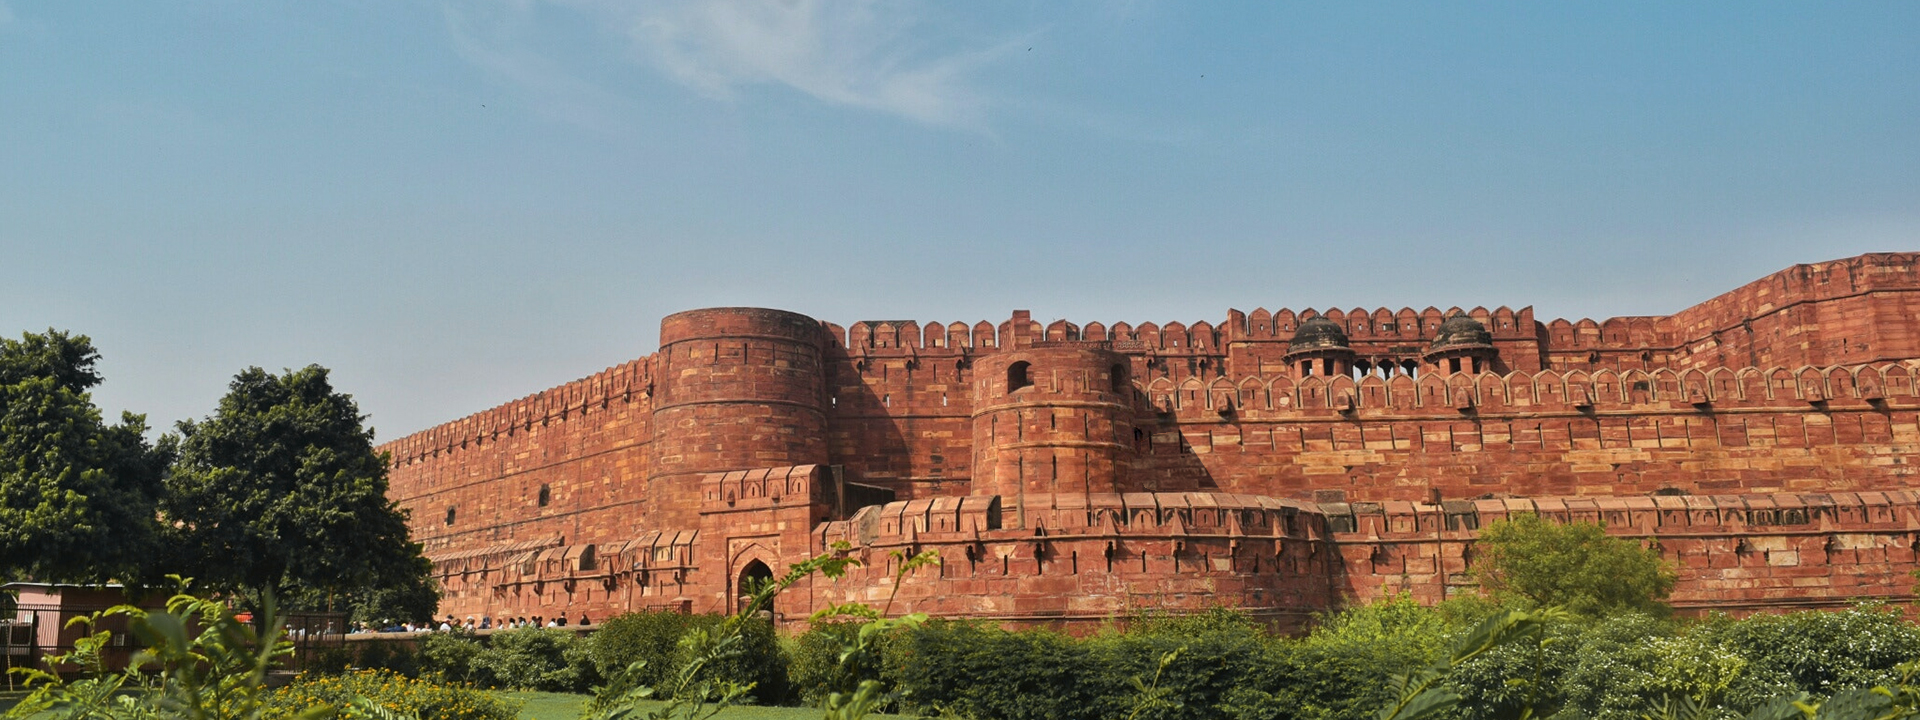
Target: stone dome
(1318, 333)
(1459, 330)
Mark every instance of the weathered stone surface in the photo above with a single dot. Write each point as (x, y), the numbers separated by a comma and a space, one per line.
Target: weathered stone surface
(1764, 440)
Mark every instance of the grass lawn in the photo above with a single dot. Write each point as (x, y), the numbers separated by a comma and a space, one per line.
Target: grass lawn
(563, 706)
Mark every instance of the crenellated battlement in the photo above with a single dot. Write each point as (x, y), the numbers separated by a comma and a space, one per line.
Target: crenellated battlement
(623, 383)
(1276, 461)
(1282, 398)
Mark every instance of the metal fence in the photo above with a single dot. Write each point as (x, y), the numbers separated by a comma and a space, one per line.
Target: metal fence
(29, 635)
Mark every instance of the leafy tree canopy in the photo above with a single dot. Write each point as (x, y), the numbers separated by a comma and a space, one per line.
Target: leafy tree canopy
(1576, 566)
(77, 496)
(280, 490)
(67, 360)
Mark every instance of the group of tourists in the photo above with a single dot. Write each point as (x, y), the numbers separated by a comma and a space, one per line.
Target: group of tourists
(453, 624)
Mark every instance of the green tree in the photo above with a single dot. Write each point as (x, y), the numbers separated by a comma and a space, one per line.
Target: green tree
(77, 496)
(280, 491)
(1575, 566)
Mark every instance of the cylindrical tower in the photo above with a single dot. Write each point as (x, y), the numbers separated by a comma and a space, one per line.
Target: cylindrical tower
(1052, 419)
(738, 388)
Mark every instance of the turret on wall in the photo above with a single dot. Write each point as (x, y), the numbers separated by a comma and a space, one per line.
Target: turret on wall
(1319, 348)
(1462, 345)
(1054, 418)
(740, 388)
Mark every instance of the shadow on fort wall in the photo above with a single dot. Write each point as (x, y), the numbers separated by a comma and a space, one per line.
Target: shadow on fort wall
(1164, 460)
(864, 435)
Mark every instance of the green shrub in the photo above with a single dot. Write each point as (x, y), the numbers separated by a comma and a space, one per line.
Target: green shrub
(1268, 690)
(331, 659)
(814, 670)
(991, 674)
(1628, 664)
(418, 699)
(1576, 567)
(760, 661)
(1217, 651)
(1340, 670)
(546, 659)
(397, 656)
(1816, 652)
(652, 637)
(1507, 679)
(450, 656)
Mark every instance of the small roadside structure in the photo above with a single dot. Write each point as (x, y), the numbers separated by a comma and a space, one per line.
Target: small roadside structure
(33, 621)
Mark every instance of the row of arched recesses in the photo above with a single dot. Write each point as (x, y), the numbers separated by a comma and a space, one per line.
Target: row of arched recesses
(1020, 375)
(1387, 368)
(1384, 368)
(1549, 387)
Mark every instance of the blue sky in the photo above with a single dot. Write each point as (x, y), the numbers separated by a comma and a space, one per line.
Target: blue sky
(455, 204)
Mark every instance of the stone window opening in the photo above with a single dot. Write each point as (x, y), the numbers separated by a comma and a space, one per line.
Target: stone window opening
(752, 577)
(1018, 376)
(1453, 365)
(1118, 376)
(1306, 368)
(450, 517)
(546, 494)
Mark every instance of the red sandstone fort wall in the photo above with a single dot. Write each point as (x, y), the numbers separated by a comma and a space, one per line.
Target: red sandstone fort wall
(584, 443)
(1801, 383)
(1851, 311)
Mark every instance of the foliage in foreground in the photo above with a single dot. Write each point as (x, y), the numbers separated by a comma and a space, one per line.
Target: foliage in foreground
(220, 672)
(200, 663)
(413, 698)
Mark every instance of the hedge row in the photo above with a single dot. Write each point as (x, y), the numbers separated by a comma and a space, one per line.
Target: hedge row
(1221, 665)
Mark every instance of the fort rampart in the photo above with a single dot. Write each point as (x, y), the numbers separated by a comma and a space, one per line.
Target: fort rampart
(1283, 462)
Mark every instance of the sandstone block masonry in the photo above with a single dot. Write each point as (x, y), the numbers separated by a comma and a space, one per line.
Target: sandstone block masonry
(1281, 462)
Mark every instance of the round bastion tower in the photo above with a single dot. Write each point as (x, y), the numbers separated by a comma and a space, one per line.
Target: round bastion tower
(739, 388)
(1051, 420)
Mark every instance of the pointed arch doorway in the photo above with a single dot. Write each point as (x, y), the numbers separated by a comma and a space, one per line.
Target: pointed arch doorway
(751, 576)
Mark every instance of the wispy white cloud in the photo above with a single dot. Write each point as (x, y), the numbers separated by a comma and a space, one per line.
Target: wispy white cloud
(866, 54)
